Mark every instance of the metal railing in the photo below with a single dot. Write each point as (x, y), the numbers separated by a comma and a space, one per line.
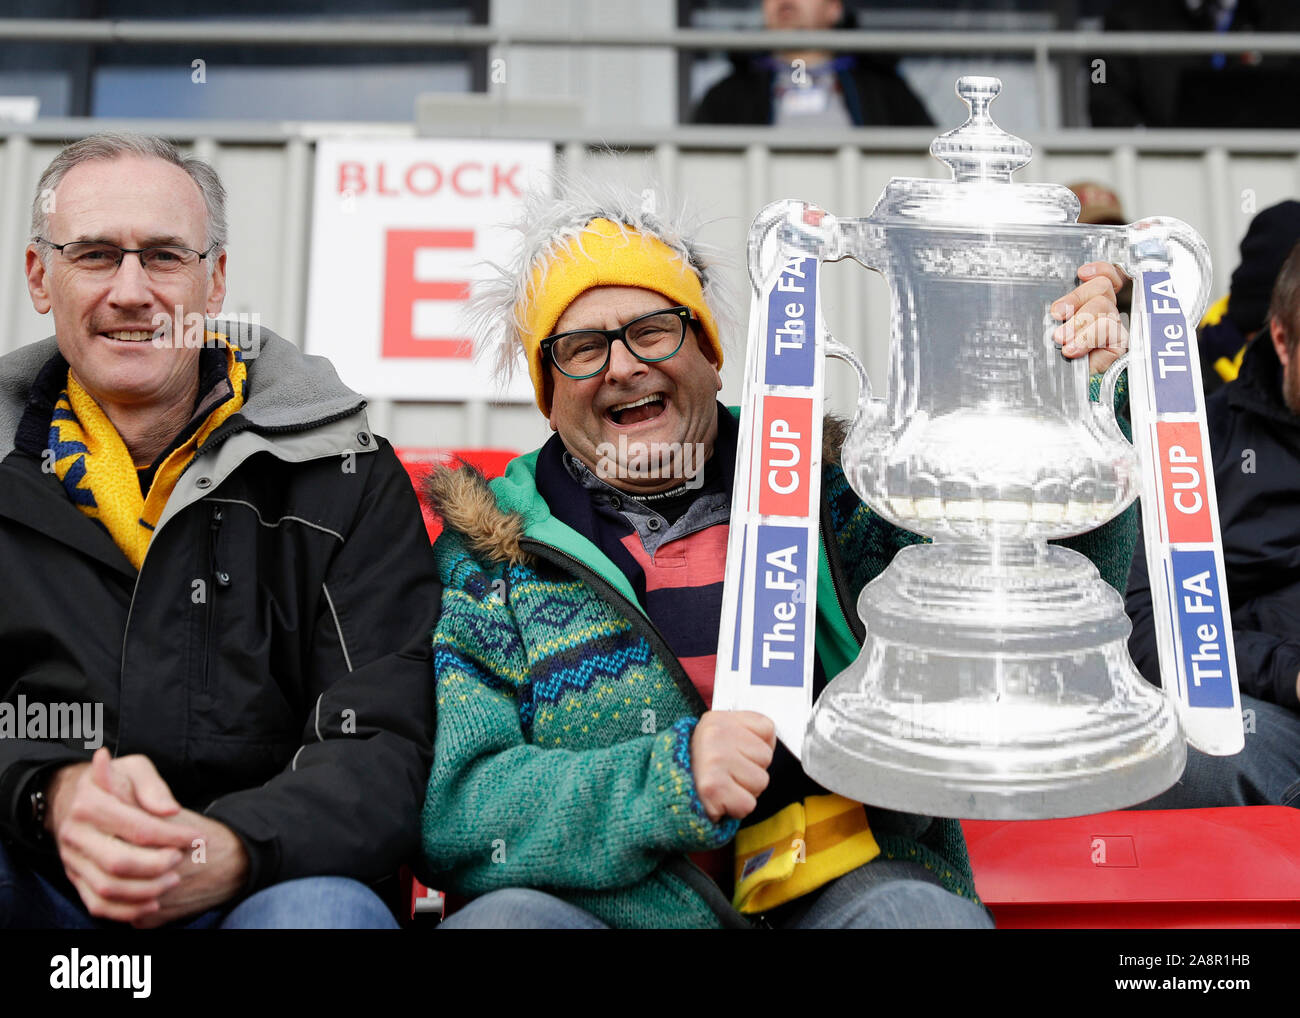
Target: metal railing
(344, 33)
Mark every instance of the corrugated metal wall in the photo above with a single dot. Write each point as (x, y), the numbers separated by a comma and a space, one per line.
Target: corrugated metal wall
(1215, 182)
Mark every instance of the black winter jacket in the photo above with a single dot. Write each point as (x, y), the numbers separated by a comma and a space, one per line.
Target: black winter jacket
(1128, 90)
(272, 656)
(1255, 444)
(873, 92)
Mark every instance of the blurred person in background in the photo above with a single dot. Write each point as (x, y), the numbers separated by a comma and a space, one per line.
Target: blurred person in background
(1231, 322)
(1099, 206)
(811, 88)
(1249, 89)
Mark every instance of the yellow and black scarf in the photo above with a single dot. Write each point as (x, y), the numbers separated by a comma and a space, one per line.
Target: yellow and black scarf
(97, 470)
(804, 846)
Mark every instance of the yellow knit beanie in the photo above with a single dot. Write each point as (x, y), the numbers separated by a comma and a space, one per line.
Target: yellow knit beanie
(605, 254)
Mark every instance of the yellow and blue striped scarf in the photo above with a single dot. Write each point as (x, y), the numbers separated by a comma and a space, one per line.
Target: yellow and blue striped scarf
(803, 847)
(99, 474)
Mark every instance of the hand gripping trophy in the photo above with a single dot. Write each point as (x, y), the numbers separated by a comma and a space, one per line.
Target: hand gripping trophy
(994, 680)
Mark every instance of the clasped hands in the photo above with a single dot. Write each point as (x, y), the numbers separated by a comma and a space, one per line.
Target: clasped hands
(130, 849)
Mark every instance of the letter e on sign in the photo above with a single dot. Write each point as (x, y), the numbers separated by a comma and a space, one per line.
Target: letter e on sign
(402, 291)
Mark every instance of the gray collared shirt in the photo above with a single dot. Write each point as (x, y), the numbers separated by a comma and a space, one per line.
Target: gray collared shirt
(709, 509)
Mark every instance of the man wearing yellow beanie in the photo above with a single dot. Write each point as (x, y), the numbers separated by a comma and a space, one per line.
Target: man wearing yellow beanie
(580, 778)
(607, 254)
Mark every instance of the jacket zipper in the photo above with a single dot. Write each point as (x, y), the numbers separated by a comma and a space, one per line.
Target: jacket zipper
(214, 440)
(218, 579)
(643, 626)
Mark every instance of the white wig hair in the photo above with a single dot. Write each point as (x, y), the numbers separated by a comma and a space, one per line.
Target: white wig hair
(548, 224)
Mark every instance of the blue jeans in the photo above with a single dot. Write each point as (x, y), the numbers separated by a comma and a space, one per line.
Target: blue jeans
(1265, 773)
(29, 901)
(885, 894)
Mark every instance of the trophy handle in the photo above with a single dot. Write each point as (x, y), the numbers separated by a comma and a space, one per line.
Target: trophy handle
(1194, 245)
(1157, 242)
(871, 408)
(863, 241)
(1163, 242)
(1105, 407)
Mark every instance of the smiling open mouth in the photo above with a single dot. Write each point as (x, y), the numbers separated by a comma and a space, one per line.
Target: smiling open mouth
(645, 409)
(129, 335)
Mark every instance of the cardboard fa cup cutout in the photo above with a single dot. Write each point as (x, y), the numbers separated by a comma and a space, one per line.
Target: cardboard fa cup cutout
(994, 679)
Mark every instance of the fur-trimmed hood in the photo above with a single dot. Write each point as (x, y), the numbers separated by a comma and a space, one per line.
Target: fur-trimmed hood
(461, 496)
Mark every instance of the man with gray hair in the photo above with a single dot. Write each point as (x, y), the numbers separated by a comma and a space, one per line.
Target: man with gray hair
(205, 538)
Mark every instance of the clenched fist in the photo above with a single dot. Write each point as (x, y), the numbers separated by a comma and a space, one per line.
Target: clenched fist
(730, 754)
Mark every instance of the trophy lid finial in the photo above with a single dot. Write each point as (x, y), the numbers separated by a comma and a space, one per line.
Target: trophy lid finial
(981, 158)
(979, 150)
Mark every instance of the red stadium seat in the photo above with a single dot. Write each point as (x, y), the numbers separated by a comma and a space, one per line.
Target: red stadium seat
(492, 463)
(1194, 868)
